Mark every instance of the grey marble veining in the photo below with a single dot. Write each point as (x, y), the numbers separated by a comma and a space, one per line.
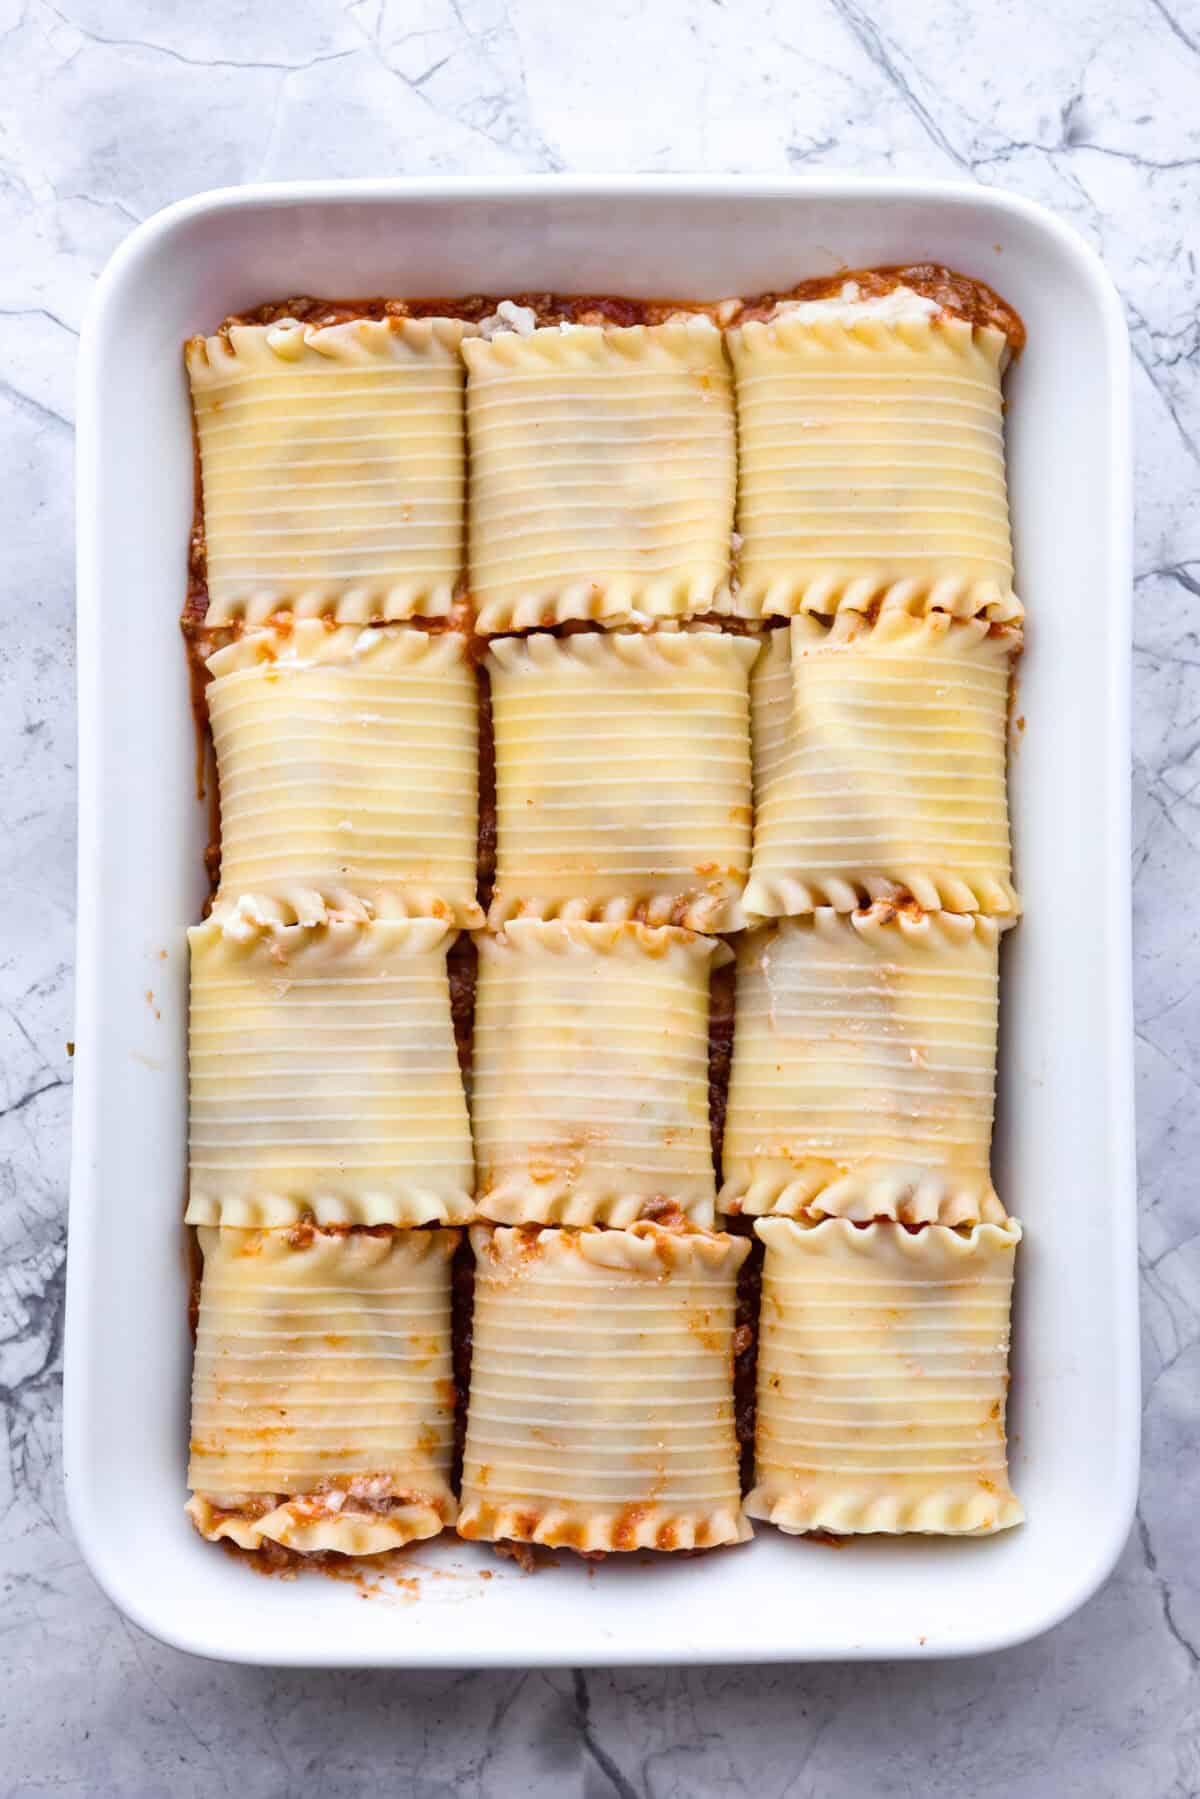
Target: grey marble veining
(111, 108)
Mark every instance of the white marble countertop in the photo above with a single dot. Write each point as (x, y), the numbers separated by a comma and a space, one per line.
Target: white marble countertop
(112, 108)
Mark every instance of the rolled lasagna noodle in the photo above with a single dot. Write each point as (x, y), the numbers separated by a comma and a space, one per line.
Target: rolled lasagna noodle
(603, 469)
(882, 1378)
(864, 1061)
(590, 1074)
(324, 1080)
(348, 773)
(871, 465)
(880, 766)
(322, 1389)
(332, 462)
(622, 776)
(601, 1406)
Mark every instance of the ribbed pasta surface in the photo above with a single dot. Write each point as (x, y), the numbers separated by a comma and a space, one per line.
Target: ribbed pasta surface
(601, 1405)
(603, 468)
(324, 1080)
(333, 467)
(590, 1075)
(622, 776)
(882, 1378)
(828, 780)
(322, 1390)
(348, 763)
(863, 1069)
(871, 463)
(773, 754)
(881, 773)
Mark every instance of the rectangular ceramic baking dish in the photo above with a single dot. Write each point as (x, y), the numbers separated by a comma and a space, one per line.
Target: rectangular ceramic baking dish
(1064, 1146)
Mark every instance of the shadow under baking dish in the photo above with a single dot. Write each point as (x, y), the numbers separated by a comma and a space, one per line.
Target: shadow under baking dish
(1064, 1145)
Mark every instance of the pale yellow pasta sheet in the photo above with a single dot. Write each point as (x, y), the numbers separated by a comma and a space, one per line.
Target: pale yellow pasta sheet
(880, 765)
(348, 764)
(778, 798)
(864, 1063)
(332, 462)
(590, 1073)
(323, 1389)
(600, 1414)
(883, 1377)
(324, 1080)
(871, 466)
(622, 776)
(603, 469)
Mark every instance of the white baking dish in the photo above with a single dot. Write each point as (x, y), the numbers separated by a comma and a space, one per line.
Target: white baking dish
(1064, 1158)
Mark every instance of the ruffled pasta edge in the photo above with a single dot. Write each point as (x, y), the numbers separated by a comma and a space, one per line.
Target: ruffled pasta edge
(643, 1249)
(247, 350)
(684, 345)
(297, 643)
(250, 928)
(611, 600)
(934, 929)
(776, 1499)
(918, 633)
(407, 1203)
(514, 1201)
(599, 1527)
(290, 903)
(344, 1532)
(321, 1245)
(941, 336)
(345, 602)
(653, 651)
(768, 594)
(902, 1193)
(970, 892)
(841, 1239)
(689, 910)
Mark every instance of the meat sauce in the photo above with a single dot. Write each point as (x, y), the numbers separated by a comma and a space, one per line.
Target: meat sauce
(971, 299)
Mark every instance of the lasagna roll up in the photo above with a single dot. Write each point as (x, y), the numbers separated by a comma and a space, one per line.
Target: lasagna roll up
(622, 776)
(332, 464)
(589, 1093)
(600, 1414)
(324, 1080)
(603, 469)
(864, 1062)
(322, 1389)
(880, 766)
(347, 760)
(871, 461)
(883, 1378)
